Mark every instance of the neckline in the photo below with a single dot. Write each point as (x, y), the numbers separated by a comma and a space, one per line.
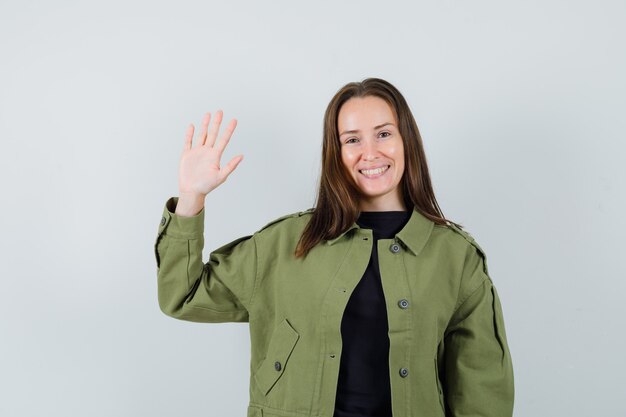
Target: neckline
(384, 224)
(387, 213)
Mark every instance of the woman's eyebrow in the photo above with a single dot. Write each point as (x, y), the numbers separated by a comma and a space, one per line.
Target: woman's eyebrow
(357, 130)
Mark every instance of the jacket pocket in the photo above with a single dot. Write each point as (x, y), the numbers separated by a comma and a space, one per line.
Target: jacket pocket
(159, 249)
(281, 345)
(439, 390)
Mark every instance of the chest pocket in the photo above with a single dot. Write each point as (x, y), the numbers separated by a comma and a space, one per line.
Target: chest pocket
(282, 343)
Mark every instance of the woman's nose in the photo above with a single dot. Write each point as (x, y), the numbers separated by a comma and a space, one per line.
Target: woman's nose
(370, 150)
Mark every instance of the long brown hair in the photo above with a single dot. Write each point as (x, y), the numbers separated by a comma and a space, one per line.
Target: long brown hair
(337, 206)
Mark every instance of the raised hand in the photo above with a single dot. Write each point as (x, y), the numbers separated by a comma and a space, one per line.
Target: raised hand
(200, 171)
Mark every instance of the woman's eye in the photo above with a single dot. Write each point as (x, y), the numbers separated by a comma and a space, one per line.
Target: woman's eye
(348, 141)
(386, 133)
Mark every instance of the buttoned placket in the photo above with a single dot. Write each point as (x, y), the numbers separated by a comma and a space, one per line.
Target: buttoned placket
(397, 294)
(392, 255)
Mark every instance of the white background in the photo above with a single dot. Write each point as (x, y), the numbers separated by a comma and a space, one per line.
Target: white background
(521, 107)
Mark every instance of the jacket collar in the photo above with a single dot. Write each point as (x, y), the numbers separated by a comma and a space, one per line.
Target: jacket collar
(413, 235)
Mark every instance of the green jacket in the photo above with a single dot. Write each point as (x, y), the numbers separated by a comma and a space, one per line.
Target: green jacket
(448, 352)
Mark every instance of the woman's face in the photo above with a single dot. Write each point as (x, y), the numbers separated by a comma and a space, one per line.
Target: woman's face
(372, 152)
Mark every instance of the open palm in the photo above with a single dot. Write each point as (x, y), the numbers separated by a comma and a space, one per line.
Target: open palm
(200, 170)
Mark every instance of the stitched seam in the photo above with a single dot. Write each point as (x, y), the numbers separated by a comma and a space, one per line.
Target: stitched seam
(256, 272)
(218, 311)
(410, 337)
(496, 325)
(459, 301)
(188, 262)
(279, 410)
(182, 236)
(466, 298)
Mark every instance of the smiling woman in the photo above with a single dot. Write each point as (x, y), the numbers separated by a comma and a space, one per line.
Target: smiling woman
(371, 303)
(372, 153)
(369, 125)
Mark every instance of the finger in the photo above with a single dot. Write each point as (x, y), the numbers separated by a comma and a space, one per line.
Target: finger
(230, 167)
(188, 136)
(203, 129)
(214, 128)
(221, 145)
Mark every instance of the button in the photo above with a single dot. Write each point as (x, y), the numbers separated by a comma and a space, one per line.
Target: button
(395, 248)
(163, 221)
(404, 372)
(403, 303)
(277, 365)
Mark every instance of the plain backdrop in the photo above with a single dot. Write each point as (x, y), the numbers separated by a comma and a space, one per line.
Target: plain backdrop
(520, 105)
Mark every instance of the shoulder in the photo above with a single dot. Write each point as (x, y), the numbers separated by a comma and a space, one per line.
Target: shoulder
(286, 220)
(466, 236)
(462, 238)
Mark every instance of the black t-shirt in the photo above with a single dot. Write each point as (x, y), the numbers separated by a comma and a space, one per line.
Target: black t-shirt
(363, 388)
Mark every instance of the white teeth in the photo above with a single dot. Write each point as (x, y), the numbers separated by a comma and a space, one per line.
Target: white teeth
(374, 171)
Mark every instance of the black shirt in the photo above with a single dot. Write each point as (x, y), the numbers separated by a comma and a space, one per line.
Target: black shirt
(363, 388)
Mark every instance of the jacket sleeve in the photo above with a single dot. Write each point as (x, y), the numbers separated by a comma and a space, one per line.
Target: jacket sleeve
(478, 366)
(188, 289)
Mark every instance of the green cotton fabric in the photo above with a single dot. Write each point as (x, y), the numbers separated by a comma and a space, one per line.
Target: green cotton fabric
(448, 352)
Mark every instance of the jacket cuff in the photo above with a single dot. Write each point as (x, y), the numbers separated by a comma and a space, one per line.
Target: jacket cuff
(181, 227)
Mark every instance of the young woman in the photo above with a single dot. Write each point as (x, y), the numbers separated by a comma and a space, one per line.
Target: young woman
(371, 303)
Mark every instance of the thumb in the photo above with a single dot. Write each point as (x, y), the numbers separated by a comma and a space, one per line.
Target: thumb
(230, 167)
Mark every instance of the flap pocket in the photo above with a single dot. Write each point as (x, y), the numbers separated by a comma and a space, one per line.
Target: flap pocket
(273, 366)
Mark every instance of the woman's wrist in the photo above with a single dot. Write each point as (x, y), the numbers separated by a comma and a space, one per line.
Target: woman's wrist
(189, 204)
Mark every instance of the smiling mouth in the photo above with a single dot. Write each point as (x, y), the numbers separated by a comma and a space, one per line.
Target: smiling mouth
(373, 173)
